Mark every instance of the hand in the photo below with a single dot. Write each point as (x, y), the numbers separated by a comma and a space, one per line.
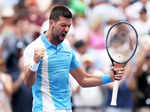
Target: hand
(117, 72)
(38, 54)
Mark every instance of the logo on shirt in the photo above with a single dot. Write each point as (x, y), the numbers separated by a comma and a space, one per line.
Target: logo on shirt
(69, 54)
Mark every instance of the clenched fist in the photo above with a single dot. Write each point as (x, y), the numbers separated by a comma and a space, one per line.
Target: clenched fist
(118, 71)
(38, 54)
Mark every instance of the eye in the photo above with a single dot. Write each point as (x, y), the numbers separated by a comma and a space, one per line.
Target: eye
(63, 25)
(69, 26)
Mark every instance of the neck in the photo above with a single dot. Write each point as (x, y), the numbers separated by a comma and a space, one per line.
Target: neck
(49, 38)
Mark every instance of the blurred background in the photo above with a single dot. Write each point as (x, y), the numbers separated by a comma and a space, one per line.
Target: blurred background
(22, 21)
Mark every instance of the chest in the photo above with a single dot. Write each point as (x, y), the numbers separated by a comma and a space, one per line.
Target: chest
(57, 59)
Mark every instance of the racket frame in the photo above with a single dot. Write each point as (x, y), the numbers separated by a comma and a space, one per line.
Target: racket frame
(116, 82)
(136, 44)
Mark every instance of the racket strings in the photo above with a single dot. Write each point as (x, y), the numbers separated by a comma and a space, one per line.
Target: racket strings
(121, 42)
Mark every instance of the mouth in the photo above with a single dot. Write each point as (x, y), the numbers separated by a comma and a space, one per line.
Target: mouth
(63, 35)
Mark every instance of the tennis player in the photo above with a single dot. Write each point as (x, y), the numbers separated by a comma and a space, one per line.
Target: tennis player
(48, 62)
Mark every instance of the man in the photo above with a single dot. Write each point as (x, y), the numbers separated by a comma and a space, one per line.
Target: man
(48, 62)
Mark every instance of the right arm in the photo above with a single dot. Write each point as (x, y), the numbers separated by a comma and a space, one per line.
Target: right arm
(31, 62)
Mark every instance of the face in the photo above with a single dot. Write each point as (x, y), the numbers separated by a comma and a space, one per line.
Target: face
(60, 29)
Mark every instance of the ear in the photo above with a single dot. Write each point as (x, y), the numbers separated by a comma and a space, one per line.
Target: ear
(51, 22)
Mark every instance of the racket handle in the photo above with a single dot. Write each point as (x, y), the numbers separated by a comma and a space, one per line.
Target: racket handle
(115, 93)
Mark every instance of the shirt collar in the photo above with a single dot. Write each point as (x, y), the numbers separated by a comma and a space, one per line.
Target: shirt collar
(48, 44)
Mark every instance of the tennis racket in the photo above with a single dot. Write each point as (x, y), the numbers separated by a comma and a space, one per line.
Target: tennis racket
(121, 45)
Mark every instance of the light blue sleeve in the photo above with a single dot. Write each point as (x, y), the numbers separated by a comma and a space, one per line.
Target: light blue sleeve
(74, 62)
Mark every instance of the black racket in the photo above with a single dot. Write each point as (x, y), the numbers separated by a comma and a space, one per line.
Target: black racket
(121, 45)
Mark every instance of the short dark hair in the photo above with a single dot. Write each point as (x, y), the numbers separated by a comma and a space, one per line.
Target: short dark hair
(58, 11)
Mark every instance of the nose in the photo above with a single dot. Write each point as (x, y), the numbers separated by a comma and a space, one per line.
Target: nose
(67, 28)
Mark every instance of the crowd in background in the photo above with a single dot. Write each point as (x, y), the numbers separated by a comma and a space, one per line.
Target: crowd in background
(22, 21)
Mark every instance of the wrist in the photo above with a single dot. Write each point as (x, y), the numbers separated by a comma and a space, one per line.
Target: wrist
(105, 79)
(34, 66)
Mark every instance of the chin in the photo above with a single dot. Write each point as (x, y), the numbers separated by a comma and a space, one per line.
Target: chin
(59, 41)
(62, 39)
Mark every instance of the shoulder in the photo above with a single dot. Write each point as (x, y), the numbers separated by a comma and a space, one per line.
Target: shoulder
(67, 47)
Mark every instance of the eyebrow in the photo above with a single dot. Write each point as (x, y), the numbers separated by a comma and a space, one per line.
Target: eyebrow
(65, 24)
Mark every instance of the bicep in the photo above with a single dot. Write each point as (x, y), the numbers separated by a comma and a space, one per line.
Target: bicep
(74, 61)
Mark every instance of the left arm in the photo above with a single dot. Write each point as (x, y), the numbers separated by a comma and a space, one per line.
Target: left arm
(89, 80)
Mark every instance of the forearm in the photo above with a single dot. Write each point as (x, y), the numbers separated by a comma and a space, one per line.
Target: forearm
(89, 80)
(95, 80)
(30, 77)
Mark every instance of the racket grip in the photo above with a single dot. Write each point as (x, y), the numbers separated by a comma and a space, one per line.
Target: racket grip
(115, 93)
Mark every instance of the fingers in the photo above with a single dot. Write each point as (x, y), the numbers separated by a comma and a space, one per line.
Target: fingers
(118, 69)
(118, 72)
(119, 75)
(41, 52)
(38, 54)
